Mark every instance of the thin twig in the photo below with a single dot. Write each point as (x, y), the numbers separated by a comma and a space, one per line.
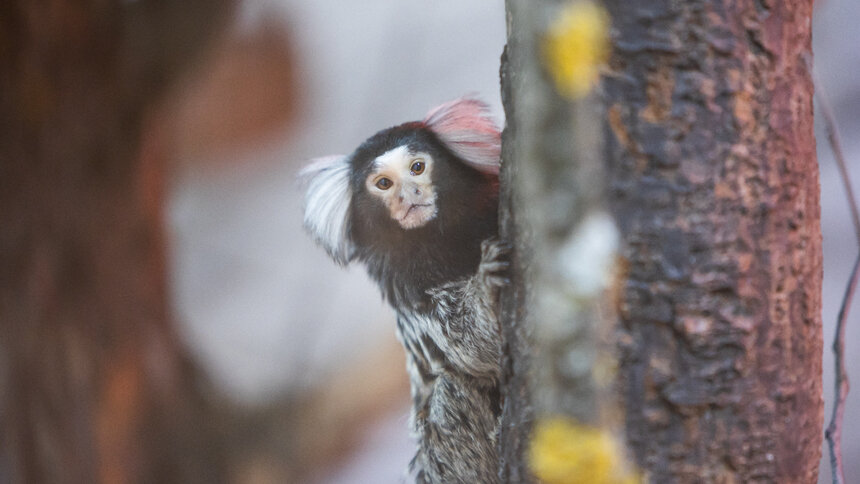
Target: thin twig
(836, 146)
(834, 428)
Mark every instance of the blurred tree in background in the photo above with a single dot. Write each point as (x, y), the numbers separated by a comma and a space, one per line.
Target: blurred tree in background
(94, 386)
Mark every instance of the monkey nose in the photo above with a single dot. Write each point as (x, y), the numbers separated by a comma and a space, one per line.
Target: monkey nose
(410, 192)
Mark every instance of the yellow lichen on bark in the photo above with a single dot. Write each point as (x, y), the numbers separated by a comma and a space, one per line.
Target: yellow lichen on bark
(575, 46)
(563, 451)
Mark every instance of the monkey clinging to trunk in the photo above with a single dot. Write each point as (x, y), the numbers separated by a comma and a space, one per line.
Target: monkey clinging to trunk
(417, 205)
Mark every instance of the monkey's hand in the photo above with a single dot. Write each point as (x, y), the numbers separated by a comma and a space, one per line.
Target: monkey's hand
(495, 264)
(469, 332)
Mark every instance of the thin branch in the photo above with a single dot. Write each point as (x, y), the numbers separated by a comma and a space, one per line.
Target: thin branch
(836, 146)
(834, 428)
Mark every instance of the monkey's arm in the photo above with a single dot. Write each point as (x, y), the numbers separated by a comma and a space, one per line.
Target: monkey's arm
(468, 330)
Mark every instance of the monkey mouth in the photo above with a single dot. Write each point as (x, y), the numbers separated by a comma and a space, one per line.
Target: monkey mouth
(414, 207)
(417, 215)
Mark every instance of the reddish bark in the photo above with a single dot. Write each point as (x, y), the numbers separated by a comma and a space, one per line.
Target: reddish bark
(715, 188)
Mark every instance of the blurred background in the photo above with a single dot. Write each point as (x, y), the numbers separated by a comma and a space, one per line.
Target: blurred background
(267, 314)
(301, 354)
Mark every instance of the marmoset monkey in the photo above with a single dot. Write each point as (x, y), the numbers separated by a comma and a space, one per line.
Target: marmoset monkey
(417, 204)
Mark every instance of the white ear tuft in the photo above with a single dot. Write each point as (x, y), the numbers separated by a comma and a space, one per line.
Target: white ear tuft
(465, 126)
(327, 202)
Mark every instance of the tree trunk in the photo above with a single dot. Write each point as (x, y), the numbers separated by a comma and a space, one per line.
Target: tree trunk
(517, 413)
(713, 183)
(94, 386)
(554, 210)
(715, 189)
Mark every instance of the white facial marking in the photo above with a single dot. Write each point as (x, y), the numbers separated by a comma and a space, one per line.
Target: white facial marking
(401, 179)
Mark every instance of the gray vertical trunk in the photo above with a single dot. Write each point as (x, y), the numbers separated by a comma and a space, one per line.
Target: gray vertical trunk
(554, 209)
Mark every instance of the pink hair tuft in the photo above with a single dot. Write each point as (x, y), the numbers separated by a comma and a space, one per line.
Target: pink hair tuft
(466, 128)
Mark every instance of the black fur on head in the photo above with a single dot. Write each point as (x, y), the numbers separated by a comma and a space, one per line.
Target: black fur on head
(407, 262)
(349, 223)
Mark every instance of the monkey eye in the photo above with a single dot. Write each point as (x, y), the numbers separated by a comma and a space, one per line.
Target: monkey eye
(417, 168)
(384, 183)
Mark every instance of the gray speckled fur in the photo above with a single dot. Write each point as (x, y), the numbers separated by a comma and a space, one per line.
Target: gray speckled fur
(453, 360)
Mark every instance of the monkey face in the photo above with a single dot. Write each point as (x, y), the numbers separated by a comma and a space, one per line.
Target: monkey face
(401, 180)
(407, 186)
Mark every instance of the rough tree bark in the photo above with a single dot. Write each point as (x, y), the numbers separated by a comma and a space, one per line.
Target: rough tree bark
(715, 188)
(713, 183)
(94, 386)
